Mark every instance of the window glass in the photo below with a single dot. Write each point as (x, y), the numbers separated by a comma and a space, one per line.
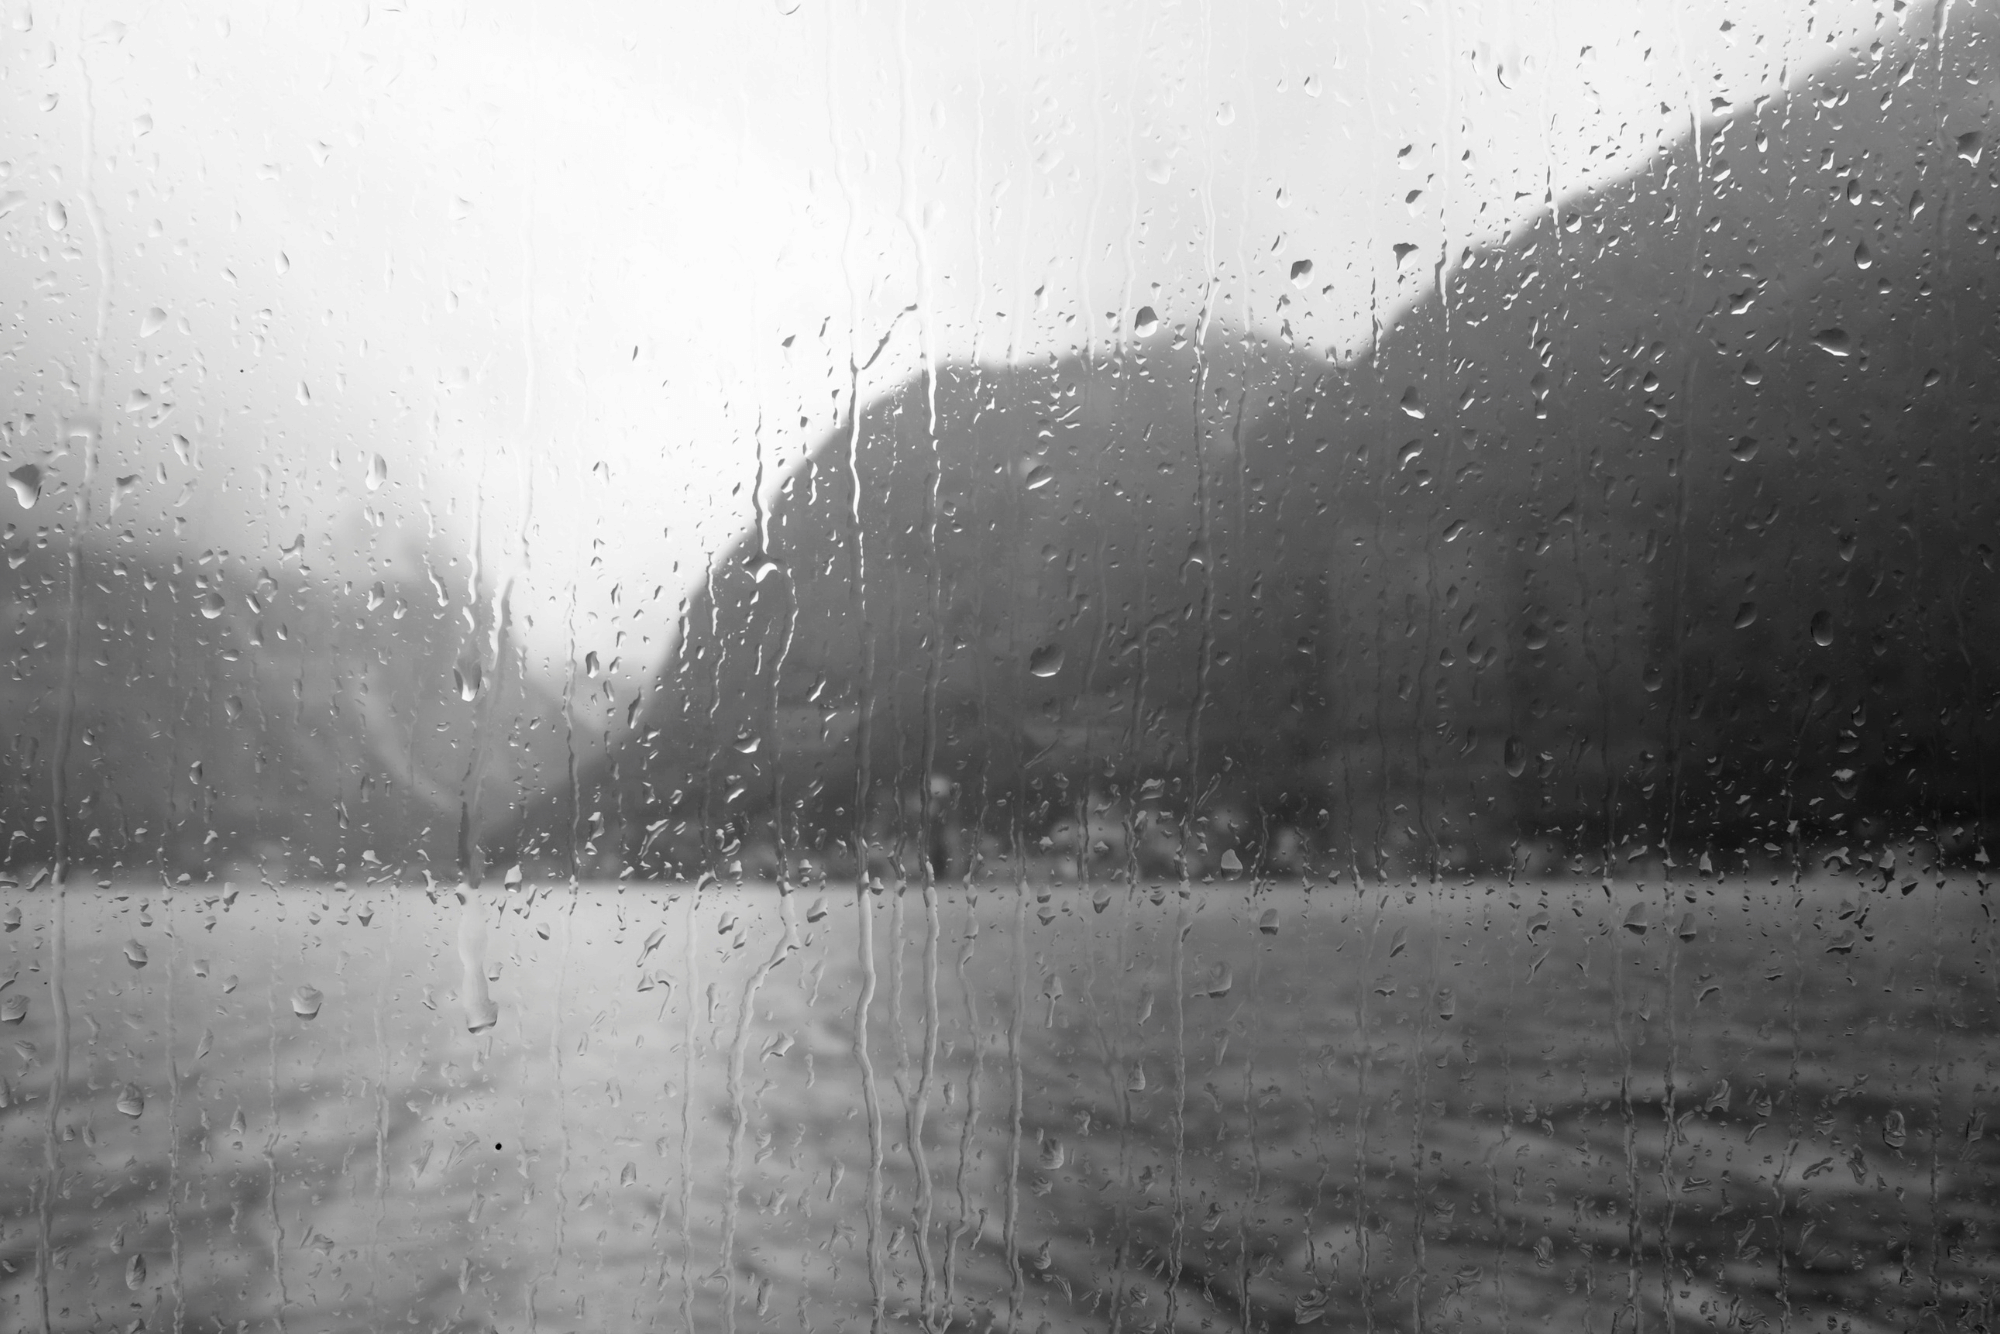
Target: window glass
(853, 665)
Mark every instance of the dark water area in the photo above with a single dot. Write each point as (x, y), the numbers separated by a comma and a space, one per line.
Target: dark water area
(1752, 1103)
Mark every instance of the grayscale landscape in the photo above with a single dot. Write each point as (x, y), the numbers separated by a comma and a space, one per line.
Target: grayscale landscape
(836, 667)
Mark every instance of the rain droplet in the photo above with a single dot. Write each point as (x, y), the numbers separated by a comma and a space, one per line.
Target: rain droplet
(1399, 942)
(1635, 920)
(1447, 1003)
(1746, 615)
(306, 1002)
(135, 954)
(378, 471)
(1752, 373)
(1822, 628)
(1515, 756)
(1040, 476)
(152, 322)
(1046, 661)
(1220, 980)
(746, 744)
(56, 216)
(1971, 145)
(818, 909)
(132, 1100)
(1302, 272)
(13, 1009)
(27, 483)
(1267, 922)
(135, 1273)
(1833, 342)
(1231, 863)
(11, 919)
(467, 681)
(1410, 405)
(1686, 930)
(1744, 449)
(1863, 256)
(628, 1174)
(212, 605)
(1145, 322)
(1894, 1133)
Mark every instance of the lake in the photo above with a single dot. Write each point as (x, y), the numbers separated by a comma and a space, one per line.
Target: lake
(1711, 1104)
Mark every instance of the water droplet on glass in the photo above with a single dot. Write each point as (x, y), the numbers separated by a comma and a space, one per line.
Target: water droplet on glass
(746, 744)
(1410, 404)
(1046, 661)
(1515, 756)
(1822, 628)
(1970, 145)
(11, 919)
(13, 1009)
(1231, 863)
(27, 483)
(132, 1100)
(306, 1002)
(1686, 930)
(1447, 1003)
(1267, 922)
(378, 471)
(1744, 449)
(1746, 615)
(628, 1174)
(135, 1273)
(1399, 942)
(1220, 980)
(1752, 373)
(1302, 272)
(135, 954)
(152, 322)
(1145, 322)
(212, 605)
(1894, 1132)
(56, 216)
(1635, 920)
(1833, 342)
(1863, 257)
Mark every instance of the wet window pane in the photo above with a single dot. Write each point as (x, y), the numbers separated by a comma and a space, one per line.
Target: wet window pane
(829, 665)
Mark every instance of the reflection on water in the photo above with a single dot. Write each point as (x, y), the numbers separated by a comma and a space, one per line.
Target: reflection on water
(1485, 1106)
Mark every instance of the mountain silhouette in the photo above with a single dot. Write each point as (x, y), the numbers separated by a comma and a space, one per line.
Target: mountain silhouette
(1666, 526)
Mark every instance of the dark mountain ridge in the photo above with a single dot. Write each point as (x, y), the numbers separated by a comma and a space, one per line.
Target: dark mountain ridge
(1668, 525)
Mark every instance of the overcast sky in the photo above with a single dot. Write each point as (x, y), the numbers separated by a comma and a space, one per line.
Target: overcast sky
(529, 277)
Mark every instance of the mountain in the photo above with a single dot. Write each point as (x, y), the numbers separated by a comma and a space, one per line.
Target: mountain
(1666, 525)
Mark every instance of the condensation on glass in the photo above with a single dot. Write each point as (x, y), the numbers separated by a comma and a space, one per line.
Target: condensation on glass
(836, 665)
